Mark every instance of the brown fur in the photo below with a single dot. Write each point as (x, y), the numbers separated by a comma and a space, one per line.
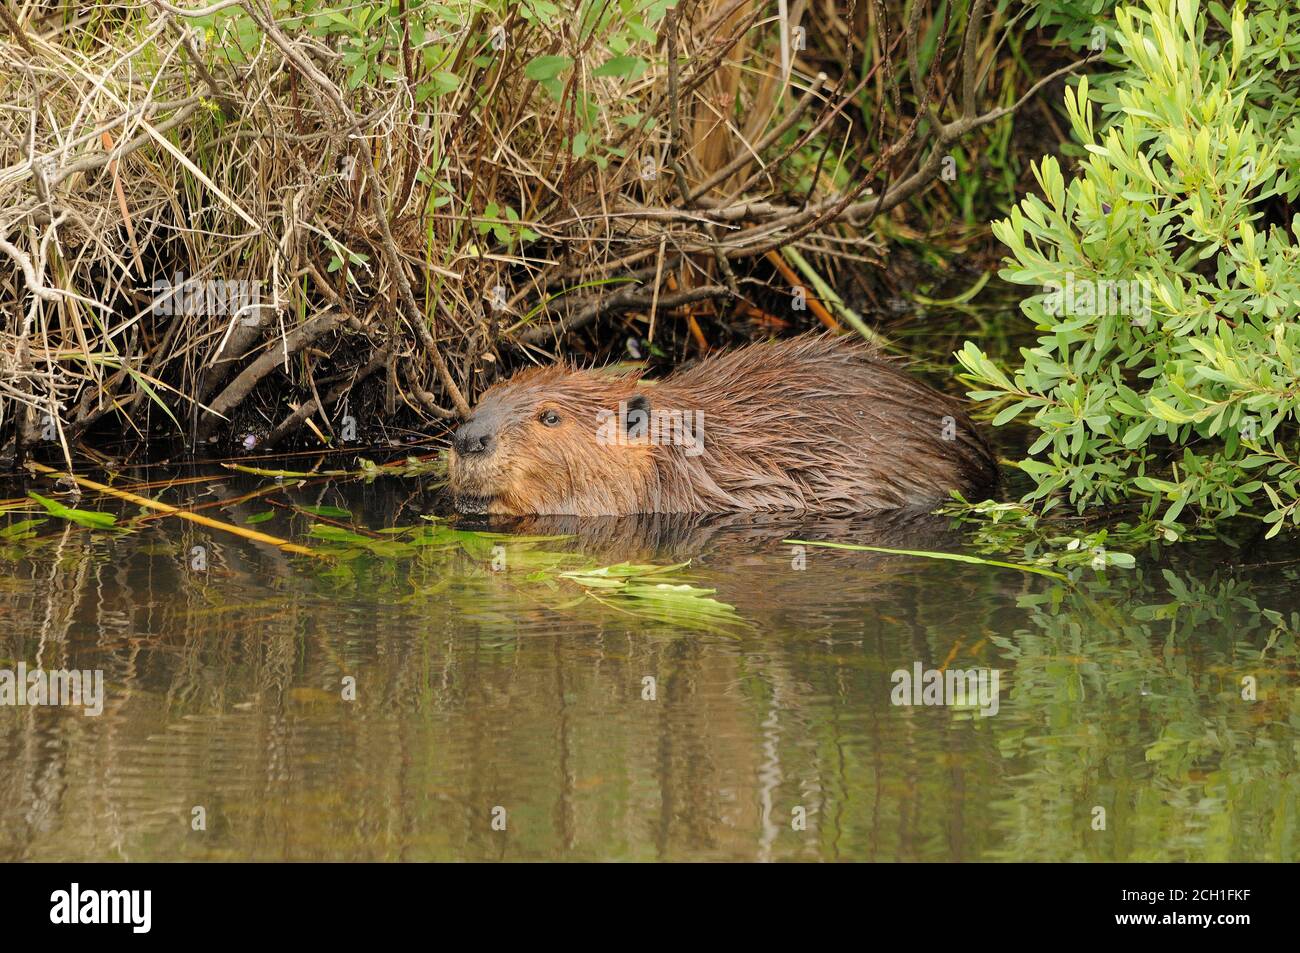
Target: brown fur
(810, 424)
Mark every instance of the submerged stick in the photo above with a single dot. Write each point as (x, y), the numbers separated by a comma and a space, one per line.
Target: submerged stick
(282, 544)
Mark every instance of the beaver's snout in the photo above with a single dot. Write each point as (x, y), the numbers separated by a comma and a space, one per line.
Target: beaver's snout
(474, 467)
(473, 436)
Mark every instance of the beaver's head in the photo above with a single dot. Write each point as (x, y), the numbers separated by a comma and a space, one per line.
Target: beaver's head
(551, 440)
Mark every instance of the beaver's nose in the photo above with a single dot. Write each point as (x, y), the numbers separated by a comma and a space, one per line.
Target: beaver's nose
(472, 437)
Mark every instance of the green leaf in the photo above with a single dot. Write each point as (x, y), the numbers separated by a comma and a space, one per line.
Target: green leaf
(23, 529)
(335, 512)
(624, 67)
(543, 68)
(87, 518)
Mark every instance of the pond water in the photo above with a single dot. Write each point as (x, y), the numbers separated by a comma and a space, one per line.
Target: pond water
(438, 693)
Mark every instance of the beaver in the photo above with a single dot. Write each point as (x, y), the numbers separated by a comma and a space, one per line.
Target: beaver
(812, 424)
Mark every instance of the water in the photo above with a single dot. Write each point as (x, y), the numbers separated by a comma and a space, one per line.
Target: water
(488, 687)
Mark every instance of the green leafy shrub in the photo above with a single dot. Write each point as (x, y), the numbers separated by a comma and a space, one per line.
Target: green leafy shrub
(1272, 57)
(1074, 22)
(1167, 368)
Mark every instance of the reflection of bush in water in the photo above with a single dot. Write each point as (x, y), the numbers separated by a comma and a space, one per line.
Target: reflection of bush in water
(1128, 696)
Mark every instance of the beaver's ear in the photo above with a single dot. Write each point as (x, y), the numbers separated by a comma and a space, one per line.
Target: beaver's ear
(638, 402)
(636, 420)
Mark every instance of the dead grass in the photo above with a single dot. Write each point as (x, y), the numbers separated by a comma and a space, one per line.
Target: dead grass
(455, 208)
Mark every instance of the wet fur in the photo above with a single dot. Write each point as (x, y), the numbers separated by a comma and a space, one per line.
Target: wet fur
(811, 424)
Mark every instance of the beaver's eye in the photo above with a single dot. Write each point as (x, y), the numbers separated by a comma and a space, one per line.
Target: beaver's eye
(549, 417)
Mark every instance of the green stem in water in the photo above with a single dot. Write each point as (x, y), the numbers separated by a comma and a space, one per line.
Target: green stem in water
(955, 557)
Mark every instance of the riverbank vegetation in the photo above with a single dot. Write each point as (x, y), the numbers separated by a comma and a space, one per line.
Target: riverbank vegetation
(226, 225)
(260, 225)
(1165, 277)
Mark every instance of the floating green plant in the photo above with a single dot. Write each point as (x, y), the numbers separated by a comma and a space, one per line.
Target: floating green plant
(87, 518)
(285, 474)
(649, 592)
(24, 529)
(640, 590)
(368, 470)
(330, 512)
(385, 547)
(927, 554)
(1057, 540)
(17, 539)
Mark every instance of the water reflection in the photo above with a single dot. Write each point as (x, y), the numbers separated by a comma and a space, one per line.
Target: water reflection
(478, 690)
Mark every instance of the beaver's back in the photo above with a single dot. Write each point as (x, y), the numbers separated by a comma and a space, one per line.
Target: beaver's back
(815, 423)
